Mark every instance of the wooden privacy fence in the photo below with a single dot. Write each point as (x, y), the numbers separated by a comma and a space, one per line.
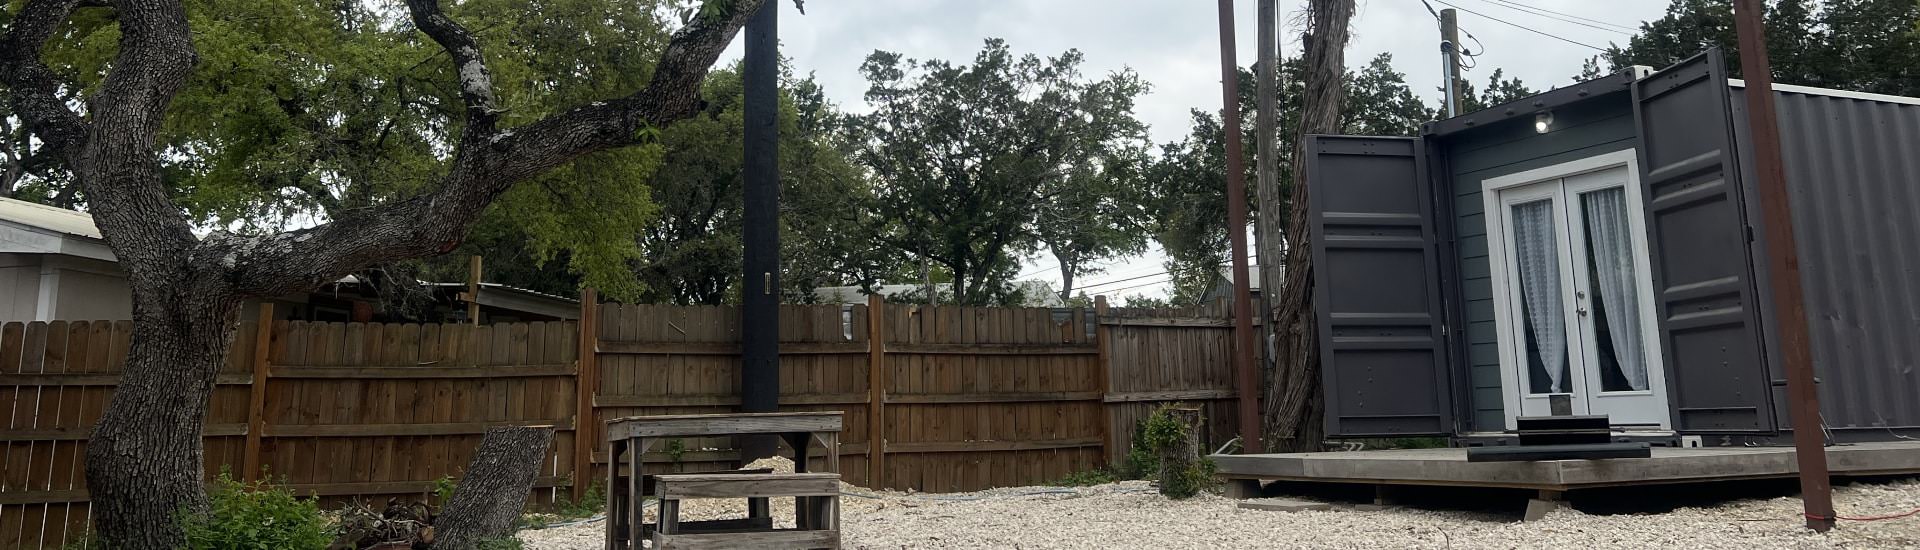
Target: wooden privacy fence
(334, 410)
(968, 398)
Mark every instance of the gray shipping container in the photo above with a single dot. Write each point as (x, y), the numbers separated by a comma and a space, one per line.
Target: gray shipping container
(1601, 245)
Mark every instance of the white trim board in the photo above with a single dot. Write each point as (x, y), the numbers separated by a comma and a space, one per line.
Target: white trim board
(1830, 92)
(1492, 204)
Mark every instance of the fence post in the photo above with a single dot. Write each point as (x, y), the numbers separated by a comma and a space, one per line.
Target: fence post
(876, 390)
(1102, 374)
(257, 401)
(586, 380)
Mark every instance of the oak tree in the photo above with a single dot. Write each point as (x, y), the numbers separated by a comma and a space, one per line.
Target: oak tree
(188, 281)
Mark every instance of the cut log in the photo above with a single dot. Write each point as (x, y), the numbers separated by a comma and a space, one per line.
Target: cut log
(490, 496)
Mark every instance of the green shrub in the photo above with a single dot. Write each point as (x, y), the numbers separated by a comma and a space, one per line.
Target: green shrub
(1161, 431)
(1195, 479)
(1097, 476)
(589, 504)
(256, 516)
(502, 543)
(444, 487)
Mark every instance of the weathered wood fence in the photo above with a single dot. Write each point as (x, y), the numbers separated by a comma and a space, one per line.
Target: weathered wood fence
(968, 398)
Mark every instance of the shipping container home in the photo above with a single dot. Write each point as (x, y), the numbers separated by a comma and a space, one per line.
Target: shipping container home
(1601, 246)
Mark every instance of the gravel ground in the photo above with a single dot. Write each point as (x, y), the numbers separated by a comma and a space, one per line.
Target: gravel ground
(1130, 513)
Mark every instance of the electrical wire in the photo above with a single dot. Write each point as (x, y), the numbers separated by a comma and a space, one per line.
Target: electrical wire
(1522, 8)
(1629, 30)
(1524, 27)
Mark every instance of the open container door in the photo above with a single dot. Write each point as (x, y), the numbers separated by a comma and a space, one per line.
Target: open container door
(1703, 270)
(1376, 288)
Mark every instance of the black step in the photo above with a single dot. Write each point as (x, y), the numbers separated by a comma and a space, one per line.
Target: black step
(1590, 451)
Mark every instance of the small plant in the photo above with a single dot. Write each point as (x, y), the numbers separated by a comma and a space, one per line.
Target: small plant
(255, 516)
(589, 504)
(444, 487)
(675, 449)
(1097, 476)
(502, 543)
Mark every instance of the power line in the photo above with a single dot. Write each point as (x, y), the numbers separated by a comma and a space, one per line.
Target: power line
(1517, 5)
(1523, 27)
(1117, 291)
(1157, 274)
(1522, 8)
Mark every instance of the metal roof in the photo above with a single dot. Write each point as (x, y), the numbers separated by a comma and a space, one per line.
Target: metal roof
(48, 218)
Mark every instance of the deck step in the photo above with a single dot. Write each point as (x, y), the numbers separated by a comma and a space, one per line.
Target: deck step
(1591, 451)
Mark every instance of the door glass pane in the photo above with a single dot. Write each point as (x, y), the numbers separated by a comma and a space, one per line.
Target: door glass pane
(1612, 294)
(1537, 263)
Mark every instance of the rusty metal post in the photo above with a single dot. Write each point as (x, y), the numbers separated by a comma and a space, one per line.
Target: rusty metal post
(1248, 380)
(1783, 267)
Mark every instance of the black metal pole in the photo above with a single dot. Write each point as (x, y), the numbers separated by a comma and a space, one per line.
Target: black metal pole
(760, 291)
(1783, 268)
(1247, 380)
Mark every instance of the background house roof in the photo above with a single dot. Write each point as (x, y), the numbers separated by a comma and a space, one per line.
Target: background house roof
(56, 220)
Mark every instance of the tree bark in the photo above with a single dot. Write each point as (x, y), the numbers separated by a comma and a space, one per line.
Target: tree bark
(1295, 409)
(491, 495)
(144, 463)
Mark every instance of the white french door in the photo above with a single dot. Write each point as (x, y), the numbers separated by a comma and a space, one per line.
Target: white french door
(1573, 296)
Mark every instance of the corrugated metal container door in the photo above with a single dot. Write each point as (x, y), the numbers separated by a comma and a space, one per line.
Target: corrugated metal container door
(1853, 177)
(1703, 279)
(1377, 287)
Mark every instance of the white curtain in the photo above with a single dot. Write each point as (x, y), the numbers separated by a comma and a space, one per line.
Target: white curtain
(1539, 261)
(1608, 232)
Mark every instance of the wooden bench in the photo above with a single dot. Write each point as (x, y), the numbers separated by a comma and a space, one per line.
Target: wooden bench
(817, 498)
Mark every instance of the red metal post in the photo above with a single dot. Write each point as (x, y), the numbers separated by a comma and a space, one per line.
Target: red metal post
(1783, 267)
(1248, 380)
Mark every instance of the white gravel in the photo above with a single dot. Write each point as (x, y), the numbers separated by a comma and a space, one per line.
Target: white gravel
(1131, 514)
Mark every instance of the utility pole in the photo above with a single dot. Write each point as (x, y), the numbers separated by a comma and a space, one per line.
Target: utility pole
(1248, 380)
(1783, 267)
(1450, 55)
(1267, 240)
(760, 288)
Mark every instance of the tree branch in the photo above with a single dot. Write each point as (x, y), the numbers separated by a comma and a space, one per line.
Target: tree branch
(119, 166)
(485, 165)
(469, 65)
(34, 87)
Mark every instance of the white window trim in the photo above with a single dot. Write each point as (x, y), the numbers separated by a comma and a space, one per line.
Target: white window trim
(1497, 262)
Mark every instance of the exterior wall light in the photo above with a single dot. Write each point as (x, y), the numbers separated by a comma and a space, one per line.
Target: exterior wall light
(1542, 121)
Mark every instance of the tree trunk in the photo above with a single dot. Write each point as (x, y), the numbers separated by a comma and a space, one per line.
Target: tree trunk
(490, 496)
(1066, 279)
(1295, 409)
(144, 463)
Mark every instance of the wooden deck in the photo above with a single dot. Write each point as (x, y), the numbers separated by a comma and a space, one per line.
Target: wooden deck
(1668, 465)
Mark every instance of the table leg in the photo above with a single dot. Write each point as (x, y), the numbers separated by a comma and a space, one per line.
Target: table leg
(669, 516)
(802, 516)
(617, 532)
(636, 518)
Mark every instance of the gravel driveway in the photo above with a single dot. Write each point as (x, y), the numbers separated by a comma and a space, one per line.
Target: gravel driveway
(1130, 514)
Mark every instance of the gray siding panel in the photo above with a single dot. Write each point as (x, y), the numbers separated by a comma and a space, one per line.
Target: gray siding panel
(1853, 174)
(1601, 125)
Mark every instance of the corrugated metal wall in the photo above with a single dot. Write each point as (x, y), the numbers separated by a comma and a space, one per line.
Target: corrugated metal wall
(1853, 168)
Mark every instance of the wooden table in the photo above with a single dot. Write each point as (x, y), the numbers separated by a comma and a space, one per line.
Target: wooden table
(634, 434)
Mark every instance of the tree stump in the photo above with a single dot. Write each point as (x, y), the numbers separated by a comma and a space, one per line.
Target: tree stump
(1178, 457)
(490, 496)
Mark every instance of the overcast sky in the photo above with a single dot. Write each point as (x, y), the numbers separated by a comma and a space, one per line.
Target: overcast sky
(1174, 45)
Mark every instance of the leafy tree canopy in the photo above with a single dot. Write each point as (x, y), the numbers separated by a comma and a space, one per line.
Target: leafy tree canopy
(976, 165)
